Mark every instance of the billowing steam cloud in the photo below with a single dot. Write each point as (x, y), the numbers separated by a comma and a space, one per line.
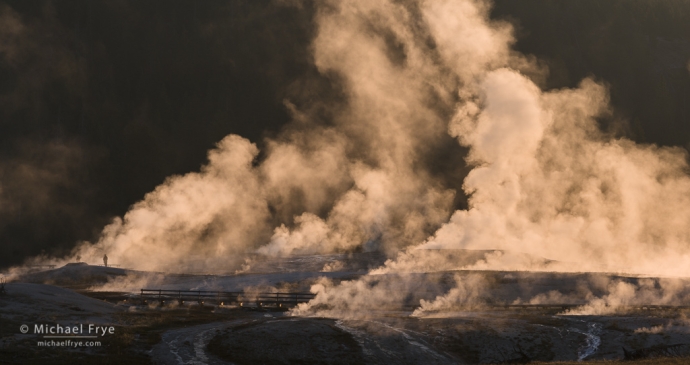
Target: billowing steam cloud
(546, 180)
(366, 171)
(191, 220)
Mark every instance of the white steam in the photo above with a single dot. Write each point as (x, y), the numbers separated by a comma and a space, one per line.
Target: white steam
(559, 188)
(546, 181)
(366, 171)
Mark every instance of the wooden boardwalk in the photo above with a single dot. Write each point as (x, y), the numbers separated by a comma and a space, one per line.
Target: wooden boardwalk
(282, 300)
(242, 299)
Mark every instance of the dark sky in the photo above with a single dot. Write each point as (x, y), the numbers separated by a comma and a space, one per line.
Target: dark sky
(101, 100)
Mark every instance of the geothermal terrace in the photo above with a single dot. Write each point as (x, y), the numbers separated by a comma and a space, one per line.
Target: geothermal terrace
(273, 313)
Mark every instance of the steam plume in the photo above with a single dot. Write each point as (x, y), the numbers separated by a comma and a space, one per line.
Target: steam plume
(365, 171)
(545, 181)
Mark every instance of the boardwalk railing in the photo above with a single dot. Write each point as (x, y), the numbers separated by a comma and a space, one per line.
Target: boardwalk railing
(279, 299)
(40, 267)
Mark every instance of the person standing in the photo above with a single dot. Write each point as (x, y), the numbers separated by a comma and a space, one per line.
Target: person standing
(105, 260)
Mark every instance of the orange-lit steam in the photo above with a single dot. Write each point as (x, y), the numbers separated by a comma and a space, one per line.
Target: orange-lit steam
(546, 180)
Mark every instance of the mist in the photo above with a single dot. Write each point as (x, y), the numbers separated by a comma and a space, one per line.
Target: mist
(545, 180)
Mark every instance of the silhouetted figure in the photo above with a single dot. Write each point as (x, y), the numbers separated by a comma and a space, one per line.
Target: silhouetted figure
(78, 258)
(2, 286)
(105, 260)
